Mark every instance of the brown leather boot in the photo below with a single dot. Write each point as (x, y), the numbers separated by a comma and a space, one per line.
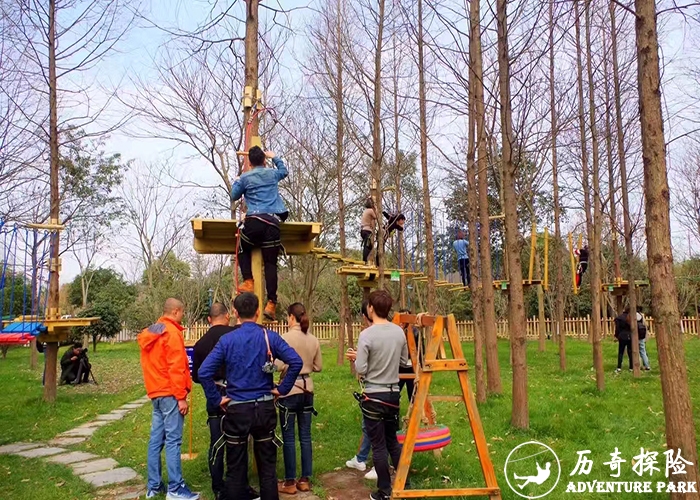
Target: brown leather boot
(304, 484)
(246, 286)
(288, 487)
(269, 311)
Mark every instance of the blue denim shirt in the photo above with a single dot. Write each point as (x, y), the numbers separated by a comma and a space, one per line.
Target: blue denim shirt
(461, 248)
(244, 352)
(259, 186)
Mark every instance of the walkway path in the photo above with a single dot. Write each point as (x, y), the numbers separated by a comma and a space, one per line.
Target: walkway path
(119, 483)
(113, 482)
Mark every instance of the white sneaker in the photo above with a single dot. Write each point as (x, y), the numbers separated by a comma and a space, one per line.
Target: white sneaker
(371, 475)
(356, 464)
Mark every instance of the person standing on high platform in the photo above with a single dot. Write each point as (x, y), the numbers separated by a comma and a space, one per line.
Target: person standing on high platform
(261, 227)
(461, 247)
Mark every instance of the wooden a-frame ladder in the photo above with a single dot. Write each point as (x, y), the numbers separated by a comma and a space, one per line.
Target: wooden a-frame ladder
(434, 361)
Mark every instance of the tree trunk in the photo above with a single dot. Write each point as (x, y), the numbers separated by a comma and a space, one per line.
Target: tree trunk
(595, 260)
(516, 309)
(52, 347)
(398, 178)
(559, 329)
(377, 141)
(429, 245)
(678, 410)
(622, 158)
(475, 282)
(493, 372)
(345, 319)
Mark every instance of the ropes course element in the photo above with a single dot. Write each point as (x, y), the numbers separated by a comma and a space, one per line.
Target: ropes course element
(24, 284)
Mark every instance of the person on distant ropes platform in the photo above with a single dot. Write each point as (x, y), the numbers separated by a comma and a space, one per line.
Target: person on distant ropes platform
(261, 227)
(166, 373)
(582, 254)
(249, 355)
(219, 320)
(462, 249)
(368, 225)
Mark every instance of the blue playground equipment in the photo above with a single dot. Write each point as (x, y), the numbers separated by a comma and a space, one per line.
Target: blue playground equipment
(23, 282)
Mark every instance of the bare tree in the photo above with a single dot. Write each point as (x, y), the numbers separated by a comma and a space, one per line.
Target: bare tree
(62, 39)
(516, 309)
(678, 410)
(596, 220)
(558, 257)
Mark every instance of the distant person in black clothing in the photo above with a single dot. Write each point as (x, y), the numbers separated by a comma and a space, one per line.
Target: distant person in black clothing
(623, 334)
(582, 264)
(219, 321)
(75, 367)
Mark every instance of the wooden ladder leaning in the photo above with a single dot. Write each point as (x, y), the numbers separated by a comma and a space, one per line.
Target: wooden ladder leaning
(435, 361)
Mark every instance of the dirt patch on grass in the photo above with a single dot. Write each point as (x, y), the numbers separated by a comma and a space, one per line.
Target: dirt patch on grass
(346, 485)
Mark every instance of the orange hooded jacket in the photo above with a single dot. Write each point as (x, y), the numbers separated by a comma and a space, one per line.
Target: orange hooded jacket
(164, 362)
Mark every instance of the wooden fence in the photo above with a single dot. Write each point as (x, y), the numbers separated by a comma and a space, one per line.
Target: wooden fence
(578, 328)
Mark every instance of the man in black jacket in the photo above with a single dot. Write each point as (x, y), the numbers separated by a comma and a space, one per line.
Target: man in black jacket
(75, 367)
(623, 334)
(219, 320)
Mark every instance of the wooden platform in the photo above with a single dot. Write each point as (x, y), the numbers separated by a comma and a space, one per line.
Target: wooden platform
(57, 330)
(620, 287)
(503, 284)
(218, 236)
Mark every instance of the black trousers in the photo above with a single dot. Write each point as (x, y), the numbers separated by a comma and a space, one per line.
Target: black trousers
(265, 235)
(366, 244)
(624, 344)
(409, 383)
(580, 270)
(382, 435)
(464, 271)
(216, 466)
(259, 421)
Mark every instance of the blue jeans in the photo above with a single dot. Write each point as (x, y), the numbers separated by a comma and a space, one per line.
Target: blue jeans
(296, 407)
(166, 431)
(365, 445)
(643, 352)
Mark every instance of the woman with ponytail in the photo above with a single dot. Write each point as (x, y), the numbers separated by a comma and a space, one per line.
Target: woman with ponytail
(298, 405)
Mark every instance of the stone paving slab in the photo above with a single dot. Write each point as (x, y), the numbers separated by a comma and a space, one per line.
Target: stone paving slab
(119, 411)
(94, 423)
(80, 432)
(11, 449)
(100, 465)
(110, 416)
(131, 406)
(66, 441)
(74, 456)
(114, 476)
(122, 492)
(41, 452)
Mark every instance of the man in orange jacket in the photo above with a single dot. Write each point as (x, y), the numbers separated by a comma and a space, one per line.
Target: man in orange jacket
(166, 374)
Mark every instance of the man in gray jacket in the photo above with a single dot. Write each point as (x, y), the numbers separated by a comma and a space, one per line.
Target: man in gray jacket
(381, 350)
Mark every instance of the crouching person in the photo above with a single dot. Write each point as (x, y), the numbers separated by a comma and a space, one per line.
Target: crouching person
(249, 354)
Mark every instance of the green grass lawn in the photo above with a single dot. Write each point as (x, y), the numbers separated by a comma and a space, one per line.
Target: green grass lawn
(566, 413)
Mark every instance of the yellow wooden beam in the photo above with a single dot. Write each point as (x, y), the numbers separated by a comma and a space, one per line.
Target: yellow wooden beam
(218, 236)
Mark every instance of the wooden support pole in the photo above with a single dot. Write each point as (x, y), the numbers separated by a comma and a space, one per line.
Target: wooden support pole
(573, 264)
(259, 284)
(546, 259)
(533, 248)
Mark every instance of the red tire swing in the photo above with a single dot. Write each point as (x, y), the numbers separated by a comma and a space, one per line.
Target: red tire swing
(429, 438)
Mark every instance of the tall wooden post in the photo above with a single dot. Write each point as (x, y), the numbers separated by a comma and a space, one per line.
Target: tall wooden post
(251, 97)
(54, 263)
